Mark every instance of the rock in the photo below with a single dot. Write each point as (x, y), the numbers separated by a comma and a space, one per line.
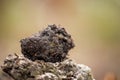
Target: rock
(45, 58)
(50, 45)
(21, 68)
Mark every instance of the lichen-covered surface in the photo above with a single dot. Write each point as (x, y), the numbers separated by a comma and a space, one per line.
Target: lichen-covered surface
(21, 68)
(51, 45)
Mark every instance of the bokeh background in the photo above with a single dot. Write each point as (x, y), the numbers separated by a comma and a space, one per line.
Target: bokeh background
(93, 24)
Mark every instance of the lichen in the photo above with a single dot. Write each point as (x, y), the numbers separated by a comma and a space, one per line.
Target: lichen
(24, 69)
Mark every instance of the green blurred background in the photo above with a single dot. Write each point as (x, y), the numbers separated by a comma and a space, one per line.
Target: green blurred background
(93, 24)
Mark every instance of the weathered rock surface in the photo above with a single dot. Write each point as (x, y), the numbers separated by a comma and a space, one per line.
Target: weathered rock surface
(51, 45)
(21, 68)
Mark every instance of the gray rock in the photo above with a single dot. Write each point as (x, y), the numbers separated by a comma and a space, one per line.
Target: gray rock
(21, 68)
